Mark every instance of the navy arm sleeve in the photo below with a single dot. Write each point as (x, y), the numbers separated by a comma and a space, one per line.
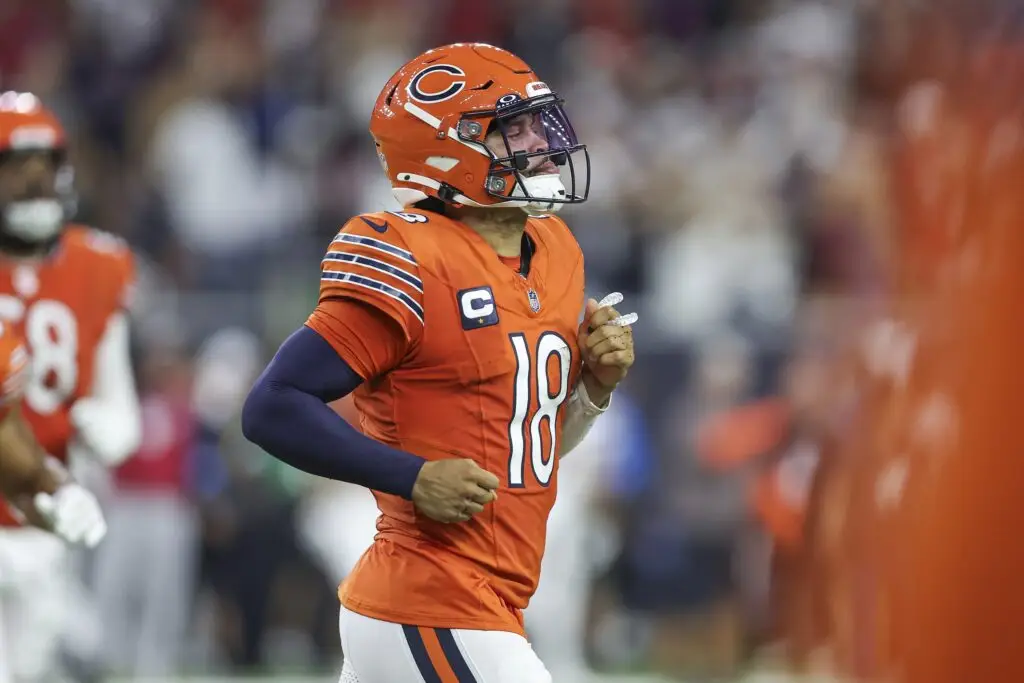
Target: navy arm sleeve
(287, 415)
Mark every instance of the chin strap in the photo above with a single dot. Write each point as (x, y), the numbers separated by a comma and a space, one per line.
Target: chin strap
(541, 189)
(34, 221)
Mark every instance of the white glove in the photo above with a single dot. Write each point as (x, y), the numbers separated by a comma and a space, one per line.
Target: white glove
(74, 514)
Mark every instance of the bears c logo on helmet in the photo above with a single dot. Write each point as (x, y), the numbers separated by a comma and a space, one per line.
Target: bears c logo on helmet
(454, 87)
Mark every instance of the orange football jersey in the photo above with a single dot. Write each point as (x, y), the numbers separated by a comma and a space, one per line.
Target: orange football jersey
(60, 307)
(486, 358)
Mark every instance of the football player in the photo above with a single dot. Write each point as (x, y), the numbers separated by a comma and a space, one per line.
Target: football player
(456, 323)
(63, 289)
(941, 547)
(37, 483)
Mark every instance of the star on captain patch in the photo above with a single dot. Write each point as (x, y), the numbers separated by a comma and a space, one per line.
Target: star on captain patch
(534, 300)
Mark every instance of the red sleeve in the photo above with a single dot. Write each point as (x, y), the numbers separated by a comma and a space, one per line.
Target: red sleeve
(370, 341)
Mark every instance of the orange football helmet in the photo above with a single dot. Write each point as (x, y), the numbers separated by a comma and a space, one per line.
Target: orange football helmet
(32, 215)
(432, 119)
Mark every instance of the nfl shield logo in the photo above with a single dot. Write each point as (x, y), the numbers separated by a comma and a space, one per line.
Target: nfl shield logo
(534, 301)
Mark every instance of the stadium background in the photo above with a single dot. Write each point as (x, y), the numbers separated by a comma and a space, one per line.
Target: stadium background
(740, 201)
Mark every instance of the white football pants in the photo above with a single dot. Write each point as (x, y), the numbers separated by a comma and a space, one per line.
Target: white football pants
(383, 652)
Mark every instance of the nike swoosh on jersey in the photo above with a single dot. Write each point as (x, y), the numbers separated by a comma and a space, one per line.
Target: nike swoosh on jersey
(379, 227)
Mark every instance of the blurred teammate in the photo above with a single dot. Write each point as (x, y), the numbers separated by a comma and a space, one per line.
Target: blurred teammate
(36, 483)
(38, 486)
(957, 601)
(63, 289)
(925, 560)
(457, 324)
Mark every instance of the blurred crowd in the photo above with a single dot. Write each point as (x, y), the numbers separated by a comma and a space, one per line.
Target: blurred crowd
(739, 201)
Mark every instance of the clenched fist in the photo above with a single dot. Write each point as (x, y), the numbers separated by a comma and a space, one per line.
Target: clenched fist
(606, 341)
(453, 490)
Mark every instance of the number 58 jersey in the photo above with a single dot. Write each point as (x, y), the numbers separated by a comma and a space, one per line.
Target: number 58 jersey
(483, 359)
(60, 307)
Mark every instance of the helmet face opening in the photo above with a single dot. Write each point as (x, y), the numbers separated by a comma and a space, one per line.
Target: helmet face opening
(36, 180)
(30, 173)
(536, 156)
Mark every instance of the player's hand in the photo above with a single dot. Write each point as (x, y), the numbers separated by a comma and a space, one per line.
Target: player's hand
(74, 514)
(453, 490)
(606, 340)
